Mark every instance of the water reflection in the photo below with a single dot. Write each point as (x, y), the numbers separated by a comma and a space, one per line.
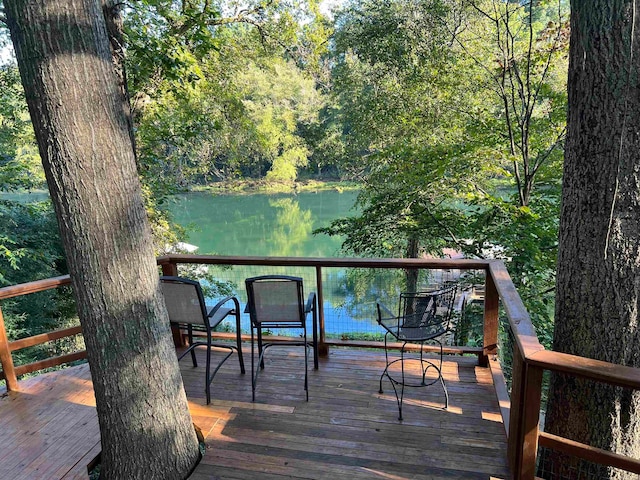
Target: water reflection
(262, 225)
(282, 225)
(292, 229)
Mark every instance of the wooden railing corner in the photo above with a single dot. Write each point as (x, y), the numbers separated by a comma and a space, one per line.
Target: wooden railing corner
(491, 314)
(8, 369)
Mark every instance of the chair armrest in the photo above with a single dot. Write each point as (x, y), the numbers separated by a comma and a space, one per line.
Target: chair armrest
(386, 310)
(311, 303)
(390, 322)
(218, 305)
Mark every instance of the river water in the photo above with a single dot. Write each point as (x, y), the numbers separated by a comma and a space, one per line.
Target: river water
(282, 225)
(263, 225)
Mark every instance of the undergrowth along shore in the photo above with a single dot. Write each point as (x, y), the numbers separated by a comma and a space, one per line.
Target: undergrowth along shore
(248, 187)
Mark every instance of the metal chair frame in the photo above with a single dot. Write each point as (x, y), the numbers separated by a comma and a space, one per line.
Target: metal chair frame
(207, 325)
(416, 326)
(258, 325)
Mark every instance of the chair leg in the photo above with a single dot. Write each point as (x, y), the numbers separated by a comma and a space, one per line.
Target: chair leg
(444, 387)
(239, 341)
(193, 350)
(446, 393)
(424, 370)
(208, 369)
(402, 384)
(253, 369)
(259, 331)
(315, 338)
(306, 365)
(393, 381)
(386, 357)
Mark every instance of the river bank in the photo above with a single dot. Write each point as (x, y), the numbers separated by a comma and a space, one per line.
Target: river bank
(250, 187)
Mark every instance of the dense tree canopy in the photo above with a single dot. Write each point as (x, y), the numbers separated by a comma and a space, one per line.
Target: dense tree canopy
(450, 114)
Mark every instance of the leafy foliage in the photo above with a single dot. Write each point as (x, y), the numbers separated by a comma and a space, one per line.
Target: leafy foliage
(455, 114)
(19, 159)
(30, 247)
(245, 110)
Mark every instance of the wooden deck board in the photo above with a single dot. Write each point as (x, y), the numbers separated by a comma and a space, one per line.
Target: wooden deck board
(47, 425)
(346, 430)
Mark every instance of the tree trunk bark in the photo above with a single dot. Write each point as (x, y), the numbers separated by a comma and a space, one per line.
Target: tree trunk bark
(82, 131)
(112, 11)
(598, 276)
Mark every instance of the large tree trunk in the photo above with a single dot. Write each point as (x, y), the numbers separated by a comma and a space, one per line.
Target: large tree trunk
(598, 281)
(82, 131)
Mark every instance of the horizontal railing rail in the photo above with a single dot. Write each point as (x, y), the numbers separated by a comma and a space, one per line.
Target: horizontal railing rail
(435, 263)
(521, 410)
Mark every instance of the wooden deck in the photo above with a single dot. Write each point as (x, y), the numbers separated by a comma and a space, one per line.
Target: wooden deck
(346, 430)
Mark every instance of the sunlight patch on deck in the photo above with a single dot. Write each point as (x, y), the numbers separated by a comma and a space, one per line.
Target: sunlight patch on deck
(252, 406)
(492, 416)
(380, 474)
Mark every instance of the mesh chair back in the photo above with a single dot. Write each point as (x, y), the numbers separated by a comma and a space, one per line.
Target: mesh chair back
(417, 305)
(184, 300)
(418, 318)
(423, 315)
(446, 300)
(276, 300)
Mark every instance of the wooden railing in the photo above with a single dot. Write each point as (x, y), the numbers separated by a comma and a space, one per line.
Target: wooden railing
(170, 264)
(10, 372)
(521, 411)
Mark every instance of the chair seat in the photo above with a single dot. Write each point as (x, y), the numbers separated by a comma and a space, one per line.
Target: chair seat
(218, 316)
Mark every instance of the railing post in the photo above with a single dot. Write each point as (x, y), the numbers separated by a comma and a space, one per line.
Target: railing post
(490, 334)
(6, 359)
(323, 348)
(172, 270)
(526, 392)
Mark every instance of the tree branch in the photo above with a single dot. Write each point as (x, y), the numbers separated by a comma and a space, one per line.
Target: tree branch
(552, 50)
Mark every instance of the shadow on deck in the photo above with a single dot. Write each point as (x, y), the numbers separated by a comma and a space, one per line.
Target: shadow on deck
(346, 430)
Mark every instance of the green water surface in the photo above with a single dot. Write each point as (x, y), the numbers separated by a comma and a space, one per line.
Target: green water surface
(263, 225)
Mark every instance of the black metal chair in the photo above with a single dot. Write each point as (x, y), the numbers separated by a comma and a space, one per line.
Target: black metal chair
(187, 309)
(422, 317)
(277, 302)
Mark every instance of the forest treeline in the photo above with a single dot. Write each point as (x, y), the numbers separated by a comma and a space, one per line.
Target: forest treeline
(451, 115)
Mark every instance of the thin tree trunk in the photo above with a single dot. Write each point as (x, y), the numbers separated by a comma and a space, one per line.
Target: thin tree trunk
(411, 274)
(598, 280)
(83, 135)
